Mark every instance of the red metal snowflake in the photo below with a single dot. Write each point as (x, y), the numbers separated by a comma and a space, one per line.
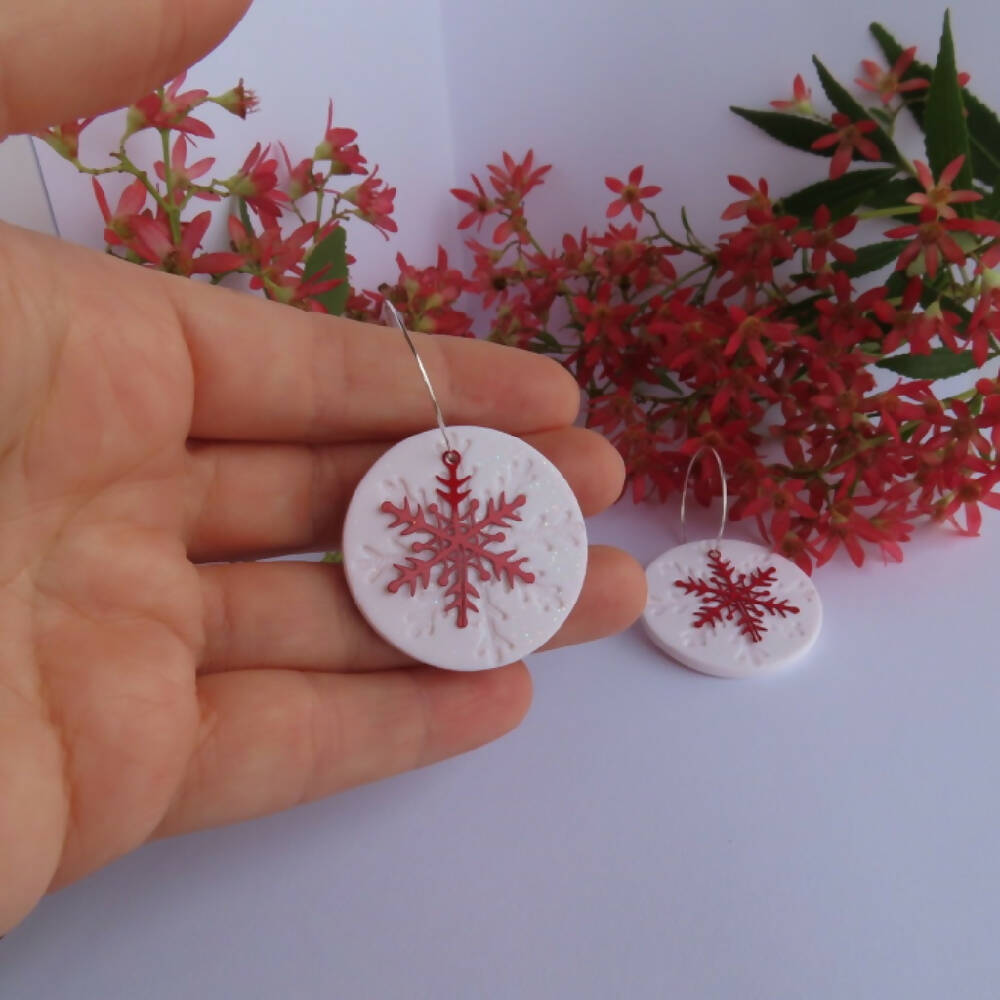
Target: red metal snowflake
(457, 543)
(743, 598)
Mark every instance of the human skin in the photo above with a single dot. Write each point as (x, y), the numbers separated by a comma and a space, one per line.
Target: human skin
(150, 425)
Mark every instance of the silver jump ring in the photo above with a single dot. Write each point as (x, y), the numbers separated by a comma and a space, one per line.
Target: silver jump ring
(725, 492)
(398, 320)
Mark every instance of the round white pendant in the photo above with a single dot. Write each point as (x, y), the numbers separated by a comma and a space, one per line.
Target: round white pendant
(465, 559)
(730, 608)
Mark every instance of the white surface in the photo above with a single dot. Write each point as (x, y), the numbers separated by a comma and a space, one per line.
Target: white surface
(648, 833)
(23, 201)
(597, 88)
(724, 648)
(545, 534)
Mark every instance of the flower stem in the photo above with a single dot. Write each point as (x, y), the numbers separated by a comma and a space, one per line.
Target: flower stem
(171, 209)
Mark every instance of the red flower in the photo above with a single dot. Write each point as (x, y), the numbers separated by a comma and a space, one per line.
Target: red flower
(256, 182)
(822, 238)
(601, 318)
(338, 148)
(782, 499)
(801, 98)
(751, 253)
(969, 494)
(373, 201)
(732, 439)
(170, 110)
(276, 263)
(65, 138)
(488, 279)
(514, 224)
(889, 83)
(514, 180)
(426, 296)
(630, 194)
(482, 204)
(843, 525)
(795, 546)
(932, 237)
(939, 196)
(932, 322)
(849, 138)
(984, 324)
(989, 389)
(891, 406)
(751, 329)
(302, 178)
(153, 243)
(757, 202)
(119, 228)
(183, 176)
(238, 100)
(899, 319)
(604, 332)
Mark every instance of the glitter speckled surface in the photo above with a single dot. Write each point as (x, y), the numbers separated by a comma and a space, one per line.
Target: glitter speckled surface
(512, 619)
(721, 649)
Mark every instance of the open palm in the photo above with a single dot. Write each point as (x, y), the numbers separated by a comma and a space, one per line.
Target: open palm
(153, 432)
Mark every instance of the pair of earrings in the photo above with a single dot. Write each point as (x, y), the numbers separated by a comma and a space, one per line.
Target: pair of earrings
(466, 548)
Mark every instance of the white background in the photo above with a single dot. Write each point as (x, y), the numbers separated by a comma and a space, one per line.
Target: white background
(648, 832)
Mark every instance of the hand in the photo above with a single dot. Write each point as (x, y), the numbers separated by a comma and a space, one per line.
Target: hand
(150, 425)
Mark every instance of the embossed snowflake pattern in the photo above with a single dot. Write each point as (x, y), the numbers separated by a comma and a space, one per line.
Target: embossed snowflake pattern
(739, 597)
(456, 547)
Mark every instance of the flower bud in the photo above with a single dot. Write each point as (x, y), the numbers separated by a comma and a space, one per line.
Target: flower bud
(991, 278)
(238, 100)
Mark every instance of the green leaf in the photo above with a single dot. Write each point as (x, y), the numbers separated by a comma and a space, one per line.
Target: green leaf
(892, 193)
(946, 134)
(847, 105)
(984, 139)
(884, 118)
(955, 306)
(549, 343)
(328, 259)
(989, 207)
(792, 130)
(940, 363)
(873, 257)
(841, 195)
(667, 382)
(895, 284)
(334, 558)
(982, 123)
(804, 310)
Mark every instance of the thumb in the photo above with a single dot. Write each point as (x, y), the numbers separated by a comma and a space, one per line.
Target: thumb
(64, 59)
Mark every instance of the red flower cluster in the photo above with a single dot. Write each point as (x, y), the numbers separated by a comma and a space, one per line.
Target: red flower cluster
(151, 224)
(772, 344)
(764, 349)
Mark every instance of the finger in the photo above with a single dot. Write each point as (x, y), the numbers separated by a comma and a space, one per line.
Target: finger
(613, 596)
(264, 372)
(67, 60)
(252, 500)
(301, 615)
(272, 739)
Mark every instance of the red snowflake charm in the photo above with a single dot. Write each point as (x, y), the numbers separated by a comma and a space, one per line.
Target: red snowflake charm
(736, 596)
(457, 543)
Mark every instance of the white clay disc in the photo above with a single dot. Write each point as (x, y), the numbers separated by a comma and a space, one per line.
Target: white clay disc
(467, 565)
(730, 608)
